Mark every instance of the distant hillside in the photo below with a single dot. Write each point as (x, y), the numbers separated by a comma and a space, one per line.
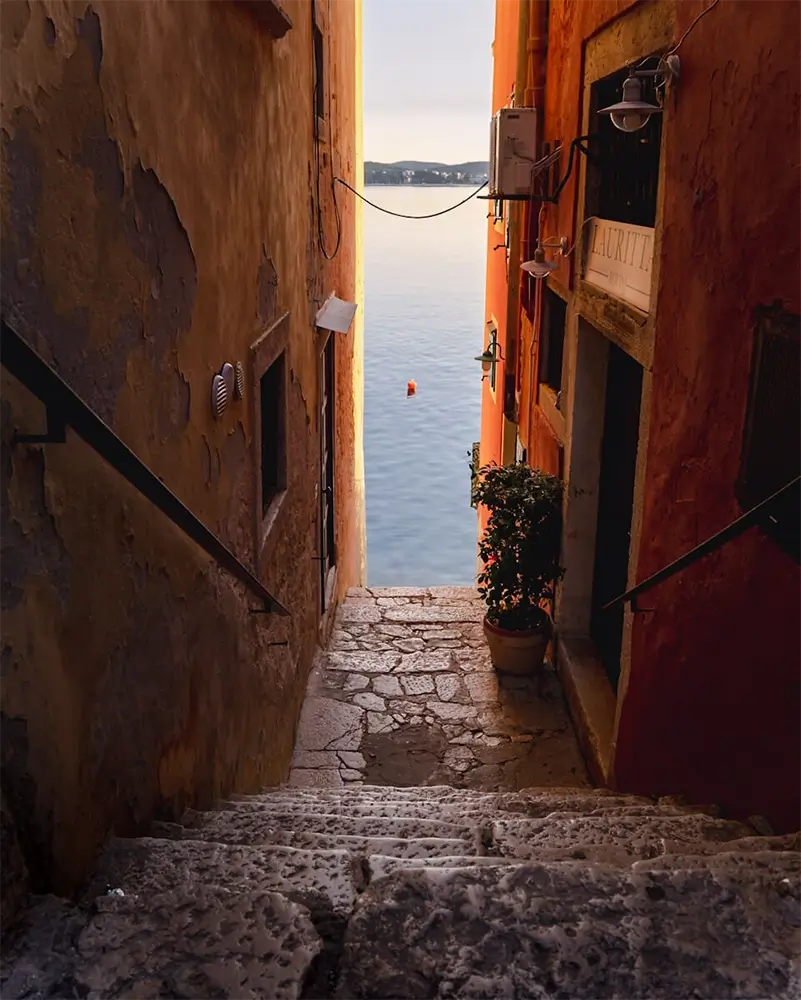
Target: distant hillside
(424, 172)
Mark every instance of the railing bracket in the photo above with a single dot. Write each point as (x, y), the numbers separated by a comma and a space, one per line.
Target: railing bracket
(65, 407)
(56, 431)
(637, 610)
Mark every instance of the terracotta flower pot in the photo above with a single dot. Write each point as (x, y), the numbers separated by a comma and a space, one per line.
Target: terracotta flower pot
(517, 652)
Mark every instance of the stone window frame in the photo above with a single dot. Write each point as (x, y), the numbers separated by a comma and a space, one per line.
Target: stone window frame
(264, 352)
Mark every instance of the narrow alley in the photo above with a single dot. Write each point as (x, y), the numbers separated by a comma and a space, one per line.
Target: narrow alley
(406, 695)
(567, 384)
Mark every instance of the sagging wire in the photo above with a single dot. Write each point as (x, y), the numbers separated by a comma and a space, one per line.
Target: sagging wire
(678, 44)
(584, 224)
(576, 144)
(401, 215)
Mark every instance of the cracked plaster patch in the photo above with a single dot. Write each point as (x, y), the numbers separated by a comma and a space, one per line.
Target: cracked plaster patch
(327, 724)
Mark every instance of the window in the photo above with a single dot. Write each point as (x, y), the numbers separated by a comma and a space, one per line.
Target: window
(552, 339)
(771, 441)
(270, 15)
(319, 77)
(273, 432)
(622, 183)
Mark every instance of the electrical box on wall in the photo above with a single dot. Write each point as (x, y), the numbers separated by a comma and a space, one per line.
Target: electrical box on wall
(513, 152)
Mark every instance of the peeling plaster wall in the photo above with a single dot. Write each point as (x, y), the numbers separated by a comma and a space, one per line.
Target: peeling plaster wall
(157, 216)
(710, 709)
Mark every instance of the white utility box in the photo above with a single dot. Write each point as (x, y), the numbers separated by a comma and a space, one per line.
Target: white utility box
(513, 152)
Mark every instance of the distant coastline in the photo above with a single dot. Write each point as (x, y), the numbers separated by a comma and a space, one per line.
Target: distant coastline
(424, 174)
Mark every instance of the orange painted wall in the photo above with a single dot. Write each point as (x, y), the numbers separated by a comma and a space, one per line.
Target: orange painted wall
(503, 82)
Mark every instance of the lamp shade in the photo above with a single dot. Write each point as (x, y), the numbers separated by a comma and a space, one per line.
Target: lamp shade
(632, 113)
(539, 267)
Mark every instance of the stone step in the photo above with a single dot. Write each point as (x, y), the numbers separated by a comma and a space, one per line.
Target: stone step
(381, 865)
(740, 862)
(750, 852)
(643, 836)
(324, 881)
(254, 827)
(430, 792)
(193, 941)
(402, 847)
(450, 811)
(575, 930)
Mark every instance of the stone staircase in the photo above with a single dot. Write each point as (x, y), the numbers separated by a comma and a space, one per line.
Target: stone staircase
(430, 892)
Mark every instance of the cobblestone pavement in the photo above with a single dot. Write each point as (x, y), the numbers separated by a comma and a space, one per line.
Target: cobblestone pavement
(406, 694)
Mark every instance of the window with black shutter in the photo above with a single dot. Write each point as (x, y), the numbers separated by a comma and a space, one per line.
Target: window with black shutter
(771, 454)
(623, 176)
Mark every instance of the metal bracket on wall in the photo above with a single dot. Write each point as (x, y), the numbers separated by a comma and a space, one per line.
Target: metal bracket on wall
(56, 431)
(637, 610)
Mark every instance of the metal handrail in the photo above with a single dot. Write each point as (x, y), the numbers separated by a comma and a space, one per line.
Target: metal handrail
(65, 408)
(743, 523)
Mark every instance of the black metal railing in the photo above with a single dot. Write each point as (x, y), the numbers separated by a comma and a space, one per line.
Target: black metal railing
(66, 409)
(756, 515)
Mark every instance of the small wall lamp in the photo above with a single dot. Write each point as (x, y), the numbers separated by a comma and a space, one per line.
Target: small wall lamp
(539, 267)
(491, 356)
(632, 113)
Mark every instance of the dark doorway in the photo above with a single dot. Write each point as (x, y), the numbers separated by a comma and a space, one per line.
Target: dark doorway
(615, 505)
(327, 554)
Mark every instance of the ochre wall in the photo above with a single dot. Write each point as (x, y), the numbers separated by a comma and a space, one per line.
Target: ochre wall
(156, 218)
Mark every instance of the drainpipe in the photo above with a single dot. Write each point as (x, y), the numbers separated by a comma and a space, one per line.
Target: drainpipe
(509, 432)
(537, 51)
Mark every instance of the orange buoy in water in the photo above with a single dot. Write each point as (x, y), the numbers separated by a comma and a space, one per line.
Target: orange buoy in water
(411, 388)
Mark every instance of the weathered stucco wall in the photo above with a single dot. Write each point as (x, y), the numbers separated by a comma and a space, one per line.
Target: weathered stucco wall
(157, 216)
(712, 703)
(710, 707)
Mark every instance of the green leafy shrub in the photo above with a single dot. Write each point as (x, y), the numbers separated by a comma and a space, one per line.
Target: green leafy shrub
(520, 547)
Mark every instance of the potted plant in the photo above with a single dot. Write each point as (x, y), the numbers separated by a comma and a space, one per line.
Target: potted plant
(520, 551)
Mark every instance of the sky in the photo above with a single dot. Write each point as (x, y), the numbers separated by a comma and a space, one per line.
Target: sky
(427, 79)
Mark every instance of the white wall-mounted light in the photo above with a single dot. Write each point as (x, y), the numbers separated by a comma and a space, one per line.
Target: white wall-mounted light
(539, 266)
(632, 113)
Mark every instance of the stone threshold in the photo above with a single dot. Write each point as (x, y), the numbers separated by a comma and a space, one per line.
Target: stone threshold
(591, 702)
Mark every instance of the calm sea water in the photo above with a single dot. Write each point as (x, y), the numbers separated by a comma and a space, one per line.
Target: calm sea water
(424, 313)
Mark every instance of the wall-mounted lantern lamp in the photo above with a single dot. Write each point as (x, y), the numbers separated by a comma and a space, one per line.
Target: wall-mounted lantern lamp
(539, 267)
(490, 357)
(632, 113)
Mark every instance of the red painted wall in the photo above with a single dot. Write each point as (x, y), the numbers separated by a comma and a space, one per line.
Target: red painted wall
(712, 708)
(712, 704)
